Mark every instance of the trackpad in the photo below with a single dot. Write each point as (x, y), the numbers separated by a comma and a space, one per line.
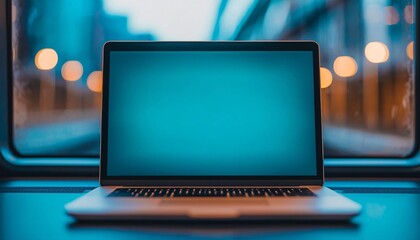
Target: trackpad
(214, 202)
(213, 208)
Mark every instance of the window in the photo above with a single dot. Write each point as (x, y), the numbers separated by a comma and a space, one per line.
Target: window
(367, 58)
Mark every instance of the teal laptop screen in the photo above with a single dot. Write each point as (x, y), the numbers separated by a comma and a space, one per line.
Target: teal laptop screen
(211, 113)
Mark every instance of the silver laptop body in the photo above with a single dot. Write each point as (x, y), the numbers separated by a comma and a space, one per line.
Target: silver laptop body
(211, 130)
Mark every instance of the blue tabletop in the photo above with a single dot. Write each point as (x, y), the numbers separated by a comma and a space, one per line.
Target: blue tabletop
(391, 210)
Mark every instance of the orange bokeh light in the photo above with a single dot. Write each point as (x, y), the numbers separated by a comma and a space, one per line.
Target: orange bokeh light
(94, 81)
(72, 70)
(345, 66)
(46, 59)
(410, 50)
(376, 52)
(326, 77)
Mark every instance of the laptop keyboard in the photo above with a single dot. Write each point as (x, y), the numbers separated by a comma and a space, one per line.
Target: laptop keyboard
(210, 192)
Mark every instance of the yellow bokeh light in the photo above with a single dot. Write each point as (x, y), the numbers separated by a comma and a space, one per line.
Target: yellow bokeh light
(345, 66)
(72, 70)
(326, 77)
(94, 81)
(46, 59)
(410, 50)
(376, 52)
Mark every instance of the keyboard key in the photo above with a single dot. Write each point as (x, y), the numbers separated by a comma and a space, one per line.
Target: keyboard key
(210, 192)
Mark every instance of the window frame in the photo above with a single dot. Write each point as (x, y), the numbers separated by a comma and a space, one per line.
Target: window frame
(14, 164)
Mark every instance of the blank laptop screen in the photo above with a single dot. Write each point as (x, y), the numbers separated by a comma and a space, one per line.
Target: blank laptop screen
(211, 113)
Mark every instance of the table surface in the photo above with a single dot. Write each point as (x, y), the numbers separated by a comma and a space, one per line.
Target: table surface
(34, 210)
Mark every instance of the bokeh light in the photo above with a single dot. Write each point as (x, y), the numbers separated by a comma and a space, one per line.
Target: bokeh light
(409, 14)
(345, 66)
(46, 59)
(410, 50)
(326, 77)
(391, 15)
(94, 81)
(72, 70)
(376, 52)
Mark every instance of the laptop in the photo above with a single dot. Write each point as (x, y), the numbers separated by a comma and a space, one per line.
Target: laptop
(211, 130)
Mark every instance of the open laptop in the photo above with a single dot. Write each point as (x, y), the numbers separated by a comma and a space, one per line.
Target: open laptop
(211, 130)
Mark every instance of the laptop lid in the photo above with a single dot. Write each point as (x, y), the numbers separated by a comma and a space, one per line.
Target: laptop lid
(211, 113)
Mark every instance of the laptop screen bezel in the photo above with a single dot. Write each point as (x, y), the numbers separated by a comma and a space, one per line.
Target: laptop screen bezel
(312, 46)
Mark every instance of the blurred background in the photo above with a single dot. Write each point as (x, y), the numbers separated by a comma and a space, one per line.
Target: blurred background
(367, 67)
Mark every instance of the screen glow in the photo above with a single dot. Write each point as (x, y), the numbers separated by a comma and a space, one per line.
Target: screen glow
(211, 114)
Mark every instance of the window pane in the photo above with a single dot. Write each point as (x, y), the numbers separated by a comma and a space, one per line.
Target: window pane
(366, 46)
